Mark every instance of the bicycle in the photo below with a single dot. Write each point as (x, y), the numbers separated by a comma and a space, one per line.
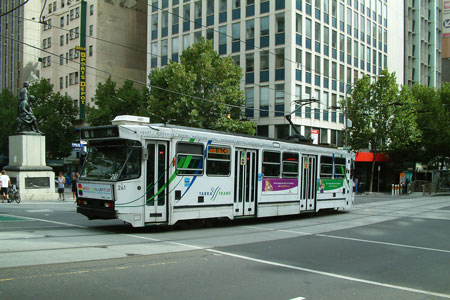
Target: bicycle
(14, 194)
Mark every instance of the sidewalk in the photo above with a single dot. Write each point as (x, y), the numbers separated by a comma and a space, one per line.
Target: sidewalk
(68, 196)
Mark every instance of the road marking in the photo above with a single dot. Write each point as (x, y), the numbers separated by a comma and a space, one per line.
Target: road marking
(351, 239)
(119, 268)
(39, 210)
(5, 218)
(48, 221)
(392, 286)
(169, 242)
(298, 298)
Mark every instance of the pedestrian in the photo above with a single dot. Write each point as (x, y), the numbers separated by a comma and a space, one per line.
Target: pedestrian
(61, 180)
(5, 183)
(74, 188)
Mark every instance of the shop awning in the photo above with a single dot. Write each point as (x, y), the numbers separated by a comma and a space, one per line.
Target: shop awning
(368, 157)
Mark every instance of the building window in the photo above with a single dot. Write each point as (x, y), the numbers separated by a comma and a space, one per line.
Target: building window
(91, 30)
(249, 62)
(264, 26)
(186, 41)
(236, 31)
(264, 60)
(279, 58)
(279, 100)
(91, 10)
(250, 29)
(91, 50)
(264, 101)
(279, 23)
(249, 102)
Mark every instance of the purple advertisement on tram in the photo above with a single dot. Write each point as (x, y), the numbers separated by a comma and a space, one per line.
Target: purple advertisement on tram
(278, 184)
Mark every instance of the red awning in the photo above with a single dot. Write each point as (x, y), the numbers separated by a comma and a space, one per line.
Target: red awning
(368, 157)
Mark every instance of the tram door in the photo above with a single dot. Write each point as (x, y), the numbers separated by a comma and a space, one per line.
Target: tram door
(156, 194)
(245, 182)
(308, 181)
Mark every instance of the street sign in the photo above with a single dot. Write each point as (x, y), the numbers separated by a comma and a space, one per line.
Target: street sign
(447, 23)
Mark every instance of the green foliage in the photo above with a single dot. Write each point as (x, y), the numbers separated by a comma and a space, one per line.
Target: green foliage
(111, 101)
(433, 118)
(201, 91)
(56, 115)
(8, 114)
(383, 116)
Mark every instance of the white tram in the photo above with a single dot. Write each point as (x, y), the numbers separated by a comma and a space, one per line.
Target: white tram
(147, 174)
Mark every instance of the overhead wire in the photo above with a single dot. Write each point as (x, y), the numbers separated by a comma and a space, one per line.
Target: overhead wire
(181, 94)
(15, 8)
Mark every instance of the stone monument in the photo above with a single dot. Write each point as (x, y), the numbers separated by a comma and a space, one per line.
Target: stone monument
(27, 166)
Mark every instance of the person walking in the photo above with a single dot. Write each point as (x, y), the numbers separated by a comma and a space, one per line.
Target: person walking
(5, 183)
(73, 184)
(61, 180)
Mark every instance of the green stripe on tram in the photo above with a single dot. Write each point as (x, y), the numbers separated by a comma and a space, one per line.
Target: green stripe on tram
(183, 163)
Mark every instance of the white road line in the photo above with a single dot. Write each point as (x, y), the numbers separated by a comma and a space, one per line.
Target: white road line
(39, 210)
(384, 243)
(351, 239)
(298, 298)
(392, 286)
(48, 221)
(169, 242)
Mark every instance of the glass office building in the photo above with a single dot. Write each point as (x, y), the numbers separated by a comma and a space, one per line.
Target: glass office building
(290, 52)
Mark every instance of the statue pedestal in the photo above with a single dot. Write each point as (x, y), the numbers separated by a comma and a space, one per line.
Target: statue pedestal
(27, 168)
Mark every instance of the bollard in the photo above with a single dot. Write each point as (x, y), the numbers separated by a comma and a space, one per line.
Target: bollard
(393, 189)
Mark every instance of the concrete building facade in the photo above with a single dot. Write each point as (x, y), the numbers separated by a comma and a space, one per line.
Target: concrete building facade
(85, 42)
(446, 42)
(19, 43)
(289, 51)
(423, 42)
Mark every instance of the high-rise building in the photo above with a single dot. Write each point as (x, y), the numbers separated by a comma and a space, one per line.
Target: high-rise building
(423, 42)
(19, 43)
(446, 42)
(290, 52)
(84, 42)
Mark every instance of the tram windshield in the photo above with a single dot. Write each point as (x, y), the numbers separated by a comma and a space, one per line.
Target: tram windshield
(112, 161)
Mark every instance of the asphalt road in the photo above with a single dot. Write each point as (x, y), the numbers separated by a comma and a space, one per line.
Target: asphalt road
(385, 248)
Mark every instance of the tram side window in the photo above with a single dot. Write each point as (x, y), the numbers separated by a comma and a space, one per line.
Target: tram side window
(218, 161)
(326, 167)
(339, 167)
(290, 165)
(189, 159)
(271, 164)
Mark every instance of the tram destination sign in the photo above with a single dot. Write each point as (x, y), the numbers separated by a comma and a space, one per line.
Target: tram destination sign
(99, 132)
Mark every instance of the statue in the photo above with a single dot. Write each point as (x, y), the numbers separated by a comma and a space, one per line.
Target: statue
(26, 121)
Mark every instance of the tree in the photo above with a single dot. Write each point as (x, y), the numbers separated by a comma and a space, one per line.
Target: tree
(8, 114)
(383, 117)
(55, 114)
(201, 91)
(111, 101)
(433, 115)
